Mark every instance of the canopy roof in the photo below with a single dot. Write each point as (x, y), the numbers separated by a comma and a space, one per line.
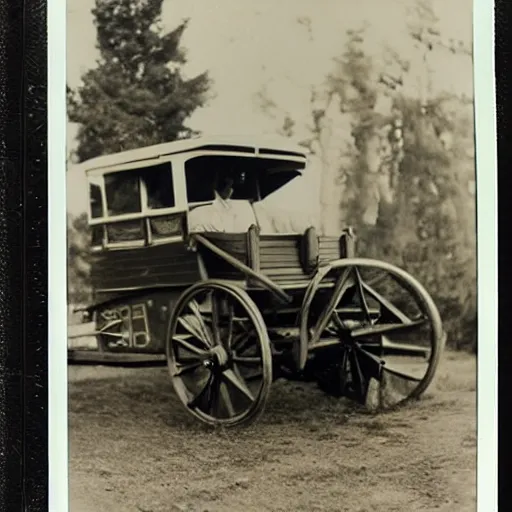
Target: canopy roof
(266, 147)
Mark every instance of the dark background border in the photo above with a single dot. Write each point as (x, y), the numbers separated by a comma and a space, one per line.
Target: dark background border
(503, 63)
(23, 253)
(23, 256)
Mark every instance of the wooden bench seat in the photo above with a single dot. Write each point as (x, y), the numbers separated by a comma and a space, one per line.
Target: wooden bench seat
(287, 259)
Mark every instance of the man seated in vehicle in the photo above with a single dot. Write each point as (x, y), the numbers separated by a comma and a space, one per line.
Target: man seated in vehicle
(224, 214)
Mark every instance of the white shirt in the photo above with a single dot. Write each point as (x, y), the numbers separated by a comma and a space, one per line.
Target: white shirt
(275, 220)
(225, 216)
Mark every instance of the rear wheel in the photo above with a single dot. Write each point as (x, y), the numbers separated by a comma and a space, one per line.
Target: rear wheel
(219, 355)
(375, 335)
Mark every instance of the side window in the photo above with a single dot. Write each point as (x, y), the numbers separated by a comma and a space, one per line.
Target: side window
(123, 193)
(159, 186)
(199, 176)
(95, 201)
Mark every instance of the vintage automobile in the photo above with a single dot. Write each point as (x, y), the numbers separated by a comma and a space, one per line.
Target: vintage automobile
(232, 310)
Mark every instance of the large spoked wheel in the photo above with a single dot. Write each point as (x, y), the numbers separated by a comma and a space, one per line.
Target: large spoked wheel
(219, 355)
(371, 332)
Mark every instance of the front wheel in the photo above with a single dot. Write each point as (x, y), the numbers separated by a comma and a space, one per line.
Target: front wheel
(371, 331)
(219, 355)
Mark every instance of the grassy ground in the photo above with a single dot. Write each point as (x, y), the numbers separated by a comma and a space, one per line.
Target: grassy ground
(134, 448)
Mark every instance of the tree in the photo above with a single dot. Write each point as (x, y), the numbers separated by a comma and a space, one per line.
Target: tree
(136, 95)
(79, 289)
(405, 167)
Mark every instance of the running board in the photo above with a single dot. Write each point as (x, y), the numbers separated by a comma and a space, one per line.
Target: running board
(94, 356)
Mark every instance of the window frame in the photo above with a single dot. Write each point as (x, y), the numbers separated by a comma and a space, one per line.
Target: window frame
(97, 177)
(177, 168)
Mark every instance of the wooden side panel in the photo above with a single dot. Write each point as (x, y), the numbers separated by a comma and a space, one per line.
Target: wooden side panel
(329, 249)
(169, 264)
(234, 244)
(136, 323)
(280, 259)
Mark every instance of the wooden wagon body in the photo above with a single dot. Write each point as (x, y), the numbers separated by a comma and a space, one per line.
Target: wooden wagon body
(232, 311)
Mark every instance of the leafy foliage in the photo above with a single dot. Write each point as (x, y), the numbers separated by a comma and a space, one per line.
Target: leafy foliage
(136, 96)
(79, 289)
(408, 179)
(428, 227)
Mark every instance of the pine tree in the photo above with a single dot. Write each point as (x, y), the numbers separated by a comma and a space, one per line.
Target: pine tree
(136, 95)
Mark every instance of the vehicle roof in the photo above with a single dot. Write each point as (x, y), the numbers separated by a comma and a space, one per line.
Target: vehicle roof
(242, 144)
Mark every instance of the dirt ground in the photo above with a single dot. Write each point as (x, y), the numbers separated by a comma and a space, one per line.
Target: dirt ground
(134, 448)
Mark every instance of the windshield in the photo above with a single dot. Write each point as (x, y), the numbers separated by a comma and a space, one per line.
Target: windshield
(251, 179)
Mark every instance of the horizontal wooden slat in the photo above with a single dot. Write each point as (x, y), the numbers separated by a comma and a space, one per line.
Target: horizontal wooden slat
(112, 284)
(94, 356)
(275, 267)
(148, 271)
(226, 237)
(276, 243)
(272, 251)
(329, 257)
(327, 239)
(140, 265)
(170, 264)
(164, 250)
(277, 258)
(284, 271)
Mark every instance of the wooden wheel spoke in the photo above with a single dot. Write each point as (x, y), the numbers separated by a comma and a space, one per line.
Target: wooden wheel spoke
(240, 342)
(385, 328)
(214, 398)
(358, 378)
(344, 366)
(189, 346)
(247, 361)
(402, 375)
(205, 391)
(215, 320)
(369, 364)
(226, 399)
(360, 290)
(239, 383)
(402, 317)
(231, 316)
(188, 323)
(337, 320)
(253, 377)
(340, 288)
(182, 368)
(200, 318)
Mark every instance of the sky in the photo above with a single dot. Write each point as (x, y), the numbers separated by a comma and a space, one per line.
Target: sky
(246, 45)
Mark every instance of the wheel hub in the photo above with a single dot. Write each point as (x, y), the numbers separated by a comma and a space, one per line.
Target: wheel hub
(218, 358)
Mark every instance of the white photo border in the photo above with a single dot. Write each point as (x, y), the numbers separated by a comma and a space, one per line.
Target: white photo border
(487, 242)
(57, 261)
(485, 136)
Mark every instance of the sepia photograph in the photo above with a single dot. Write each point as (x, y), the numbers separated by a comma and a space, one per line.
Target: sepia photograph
(272, 295)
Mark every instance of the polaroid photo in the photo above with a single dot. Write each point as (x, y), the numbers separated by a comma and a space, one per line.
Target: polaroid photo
(274, 260)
